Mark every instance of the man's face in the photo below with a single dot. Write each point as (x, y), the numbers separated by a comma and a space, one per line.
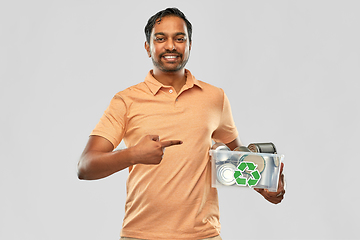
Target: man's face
(169, 44)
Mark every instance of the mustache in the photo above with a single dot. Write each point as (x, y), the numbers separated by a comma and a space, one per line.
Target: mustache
(171, 52)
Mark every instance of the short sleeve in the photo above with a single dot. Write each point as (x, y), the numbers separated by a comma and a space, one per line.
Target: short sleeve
(112, 123)
(226, 131)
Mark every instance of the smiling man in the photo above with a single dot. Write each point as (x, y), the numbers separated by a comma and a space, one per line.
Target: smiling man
(177, 46)
(169, 193)
(169, 47)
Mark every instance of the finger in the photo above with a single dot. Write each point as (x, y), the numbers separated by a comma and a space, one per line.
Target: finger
(259, 190)
(280, 194)
(281, 184)
(281, 168)
(262, 190)
(282, 177)
(282, 180)
(169, 143)
(273, 197)
(276, 200)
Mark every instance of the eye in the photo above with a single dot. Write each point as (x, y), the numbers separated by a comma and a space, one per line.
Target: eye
(180, 39)
(159, 39)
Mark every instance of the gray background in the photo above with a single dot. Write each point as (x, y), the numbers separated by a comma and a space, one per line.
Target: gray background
(289, 68)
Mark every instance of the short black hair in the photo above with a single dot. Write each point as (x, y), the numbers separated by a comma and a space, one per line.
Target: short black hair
(167, 12)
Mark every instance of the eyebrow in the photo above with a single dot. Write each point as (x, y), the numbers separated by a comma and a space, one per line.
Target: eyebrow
(177, 34)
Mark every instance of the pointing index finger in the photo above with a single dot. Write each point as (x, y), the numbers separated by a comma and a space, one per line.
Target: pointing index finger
(169, 143)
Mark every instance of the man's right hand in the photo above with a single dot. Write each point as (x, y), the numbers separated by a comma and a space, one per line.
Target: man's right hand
(150, 150)
(99, 160)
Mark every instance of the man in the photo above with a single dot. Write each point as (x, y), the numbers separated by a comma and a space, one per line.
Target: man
(168, 123)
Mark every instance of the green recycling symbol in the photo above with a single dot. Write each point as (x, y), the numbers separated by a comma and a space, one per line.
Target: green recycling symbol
(252, 171)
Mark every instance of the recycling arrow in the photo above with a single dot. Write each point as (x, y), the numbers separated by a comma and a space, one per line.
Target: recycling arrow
(251, 170)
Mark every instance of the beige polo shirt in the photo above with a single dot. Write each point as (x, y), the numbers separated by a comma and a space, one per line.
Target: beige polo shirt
(172, 200)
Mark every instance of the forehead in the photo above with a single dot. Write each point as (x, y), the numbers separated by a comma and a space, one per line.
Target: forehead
(170, 25)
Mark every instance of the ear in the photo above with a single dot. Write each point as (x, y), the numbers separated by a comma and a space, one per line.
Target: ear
(190, 46)
(147, 48)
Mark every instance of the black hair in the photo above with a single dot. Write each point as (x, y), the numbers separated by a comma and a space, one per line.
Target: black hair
(167, 12)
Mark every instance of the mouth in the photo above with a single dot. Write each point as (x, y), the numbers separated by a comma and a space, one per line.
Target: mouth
(170, 58)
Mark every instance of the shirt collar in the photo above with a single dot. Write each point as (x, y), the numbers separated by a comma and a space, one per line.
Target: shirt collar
(154, 85)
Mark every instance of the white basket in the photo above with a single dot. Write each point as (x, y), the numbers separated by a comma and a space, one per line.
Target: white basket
(245, 169)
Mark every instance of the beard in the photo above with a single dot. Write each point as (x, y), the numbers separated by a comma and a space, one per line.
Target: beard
(175, 66)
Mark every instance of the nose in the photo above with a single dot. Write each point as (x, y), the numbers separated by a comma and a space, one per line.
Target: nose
(170, 45)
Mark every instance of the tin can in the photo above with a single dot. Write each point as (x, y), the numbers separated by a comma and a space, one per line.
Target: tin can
(241, 149)
(258, 160)
(262, 147)
(220, 146)
(225, 174)
(236, 157)
(222, 152)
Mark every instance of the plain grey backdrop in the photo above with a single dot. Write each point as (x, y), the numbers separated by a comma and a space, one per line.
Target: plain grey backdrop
(291, 70)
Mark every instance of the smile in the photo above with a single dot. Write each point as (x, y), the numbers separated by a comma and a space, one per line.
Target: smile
(170, 57)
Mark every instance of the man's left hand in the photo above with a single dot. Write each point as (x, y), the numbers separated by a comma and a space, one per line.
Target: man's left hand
(275, 197)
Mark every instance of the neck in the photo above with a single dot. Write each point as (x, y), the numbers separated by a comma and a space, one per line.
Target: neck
(175, 79)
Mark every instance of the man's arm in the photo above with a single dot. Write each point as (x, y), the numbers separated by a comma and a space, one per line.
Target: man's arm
(99, 160)
(235, 143)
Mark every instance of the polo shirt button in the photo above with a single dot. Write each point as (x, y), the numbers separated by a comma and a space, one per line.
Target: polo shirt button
(170, 91)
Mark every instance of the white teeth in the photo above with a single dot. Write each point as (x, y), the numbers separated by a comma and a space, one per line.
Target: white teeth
(169, 56)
